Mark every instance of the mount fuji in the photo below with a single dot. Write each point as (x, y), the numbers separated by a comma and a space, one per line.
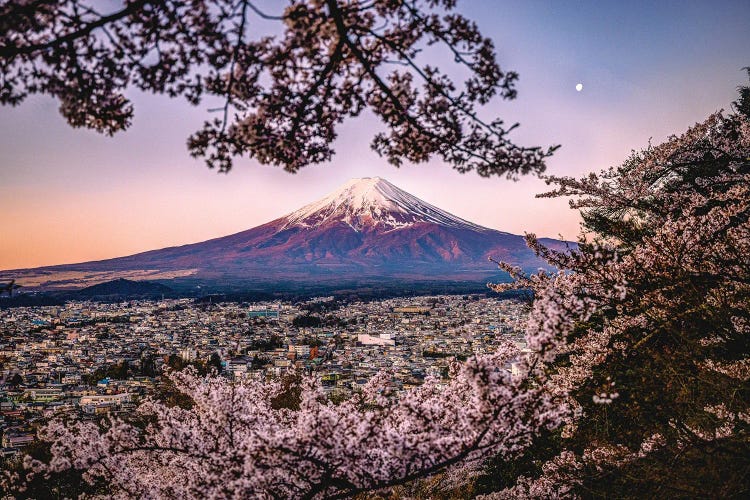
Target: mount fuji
(366, 229)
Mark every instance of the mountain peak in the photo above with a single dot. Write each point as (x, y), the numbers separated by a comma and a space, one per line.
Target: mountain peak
(366, 229)
(369, 202)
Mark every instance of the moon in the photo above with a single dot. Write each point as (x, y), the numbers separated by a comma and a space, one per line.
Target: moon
(579, 87)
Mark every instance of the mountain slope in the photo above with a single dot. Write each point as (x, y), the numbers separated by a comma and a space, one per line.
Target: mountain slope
(366, 228)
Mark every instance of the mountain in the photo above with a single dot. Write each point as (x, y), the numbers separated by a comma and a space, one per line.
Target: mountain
(368, 229)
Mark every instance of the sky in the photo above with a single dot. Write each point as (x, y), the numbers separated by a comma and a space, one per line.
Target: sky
(648, 69)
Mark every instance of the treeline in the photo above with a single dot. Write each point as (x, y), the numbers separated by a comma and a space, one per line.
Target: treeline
(147, 366)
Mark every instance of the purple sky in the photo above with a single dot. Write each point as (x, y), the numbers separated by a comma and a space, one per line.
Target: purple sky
(648, 70)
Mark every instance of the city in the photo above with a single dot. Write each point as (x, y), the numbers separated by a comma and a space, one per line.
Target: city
(94, 359)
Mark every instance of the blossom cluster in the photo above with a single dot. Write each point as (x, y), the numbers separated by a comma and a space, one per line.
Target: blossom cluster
(232, 441)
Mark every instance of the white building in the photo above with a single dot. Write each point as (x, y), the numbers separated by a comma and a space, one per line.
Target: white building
(382, 339)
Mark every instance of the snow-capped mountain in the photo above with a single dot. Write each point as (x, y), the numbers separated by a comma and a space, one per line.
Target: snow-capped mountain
(373, 202)
(366, 229)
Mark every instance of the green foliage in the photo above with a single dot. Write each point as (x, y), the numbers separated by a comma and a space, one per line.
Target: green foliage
(742, 104)
(214, 362)
(291, 395)
(167, 393)
(307, 321)
(499, 473)
(311, 341)
(267, 344)
(441, 355)
(178, 364)
(148, 366)
(60, 485)
(115, 371)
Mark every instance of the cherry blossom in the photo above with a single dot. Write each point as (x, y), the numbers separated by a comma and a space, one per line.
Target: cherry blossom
(277, 97)
(233, 442)
(648, 322)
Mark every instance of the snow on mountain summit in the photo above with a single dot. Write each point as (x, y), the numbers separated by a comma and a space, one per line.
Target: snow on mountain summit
(373, 202)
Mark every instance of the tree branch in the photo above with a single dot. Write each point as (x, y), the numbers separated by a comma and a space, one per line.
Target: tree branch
(10, 52)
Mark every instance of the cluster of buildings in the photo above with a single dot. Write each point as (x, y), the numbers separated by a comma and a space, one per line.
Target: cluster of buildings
(93, 359)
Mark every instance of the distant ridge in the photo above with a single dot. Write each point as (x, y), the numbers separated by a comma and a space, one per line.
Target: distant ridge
(124, 287)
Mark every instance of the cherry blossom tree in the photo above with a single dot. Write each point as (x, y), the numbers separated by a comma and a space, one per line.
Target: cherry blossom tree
(279, 97)
(232, 441)
(652, 317)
